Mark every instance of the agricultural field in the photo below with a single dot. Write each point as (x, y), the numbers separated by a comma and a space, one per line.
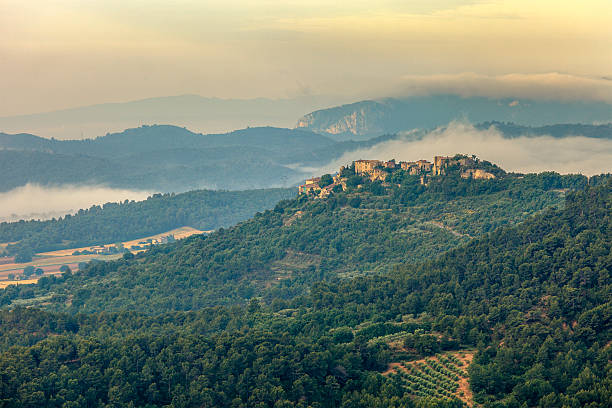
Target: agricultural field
(51, 262)
(441, 376)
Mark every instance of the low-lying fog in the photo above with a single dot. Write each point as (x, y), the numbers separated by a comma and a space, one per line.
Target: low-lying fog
(575, 154)
(37, 202)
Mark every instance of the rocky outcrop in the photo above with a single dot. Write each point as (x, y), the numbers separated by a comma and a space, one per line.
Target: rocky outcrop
(348, 121)
(478, 174)
(371, 118)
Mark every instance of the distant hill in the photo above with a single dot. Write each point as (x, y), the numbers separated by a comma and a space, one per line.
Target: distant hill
(162, 158)
(166, 137)
(207, 115)
(174, 159)
(171, 159)
(369, 118)
(116, 222)
(19, 167)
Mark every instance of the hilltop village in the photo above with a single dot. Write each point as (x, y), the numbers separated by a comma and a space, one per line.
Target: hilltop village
(379, 170)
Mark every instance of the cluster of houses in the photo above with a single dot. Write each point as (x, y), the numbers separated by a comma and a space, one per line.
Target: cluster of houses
(315, 185)
(379, 170)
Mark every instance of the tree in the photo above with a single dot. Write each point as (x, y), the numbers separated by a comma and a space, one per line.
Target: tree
(355, 202)
(354, 181)
(39, 271)
(28, 271)
(24, 257)
(326, 180)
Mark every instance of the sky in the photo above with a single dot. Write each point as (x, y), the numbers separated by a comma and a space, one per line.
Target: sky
(68, 53)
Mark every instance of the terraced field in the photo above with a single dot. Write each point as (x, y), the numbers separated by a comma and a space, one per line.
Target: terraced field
(442, 376)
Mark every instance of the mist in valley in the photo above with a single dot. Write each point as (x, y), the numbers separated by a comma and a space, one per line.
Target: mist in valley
(34, 201)
(574, 154)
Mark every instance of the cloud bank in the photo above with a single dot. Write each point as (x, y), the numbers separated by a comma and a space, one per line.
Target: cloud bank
(575, 154)
(38, 202)
(544, 86)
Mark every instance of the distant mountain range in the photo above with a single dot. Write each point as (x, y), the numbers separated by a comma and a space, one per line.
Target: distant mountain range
(206, 115)
(160, 158)
(365, 119)
(169, 158)
(173, 159)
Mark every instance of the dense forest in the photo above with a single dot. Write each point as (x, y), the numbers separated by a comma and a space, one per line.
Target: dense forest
(279, 253)
(116, 222)
(532, 301)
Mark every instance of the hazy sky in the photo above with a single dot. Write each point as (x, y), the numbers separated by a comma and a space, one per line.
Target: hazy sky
(65, 53)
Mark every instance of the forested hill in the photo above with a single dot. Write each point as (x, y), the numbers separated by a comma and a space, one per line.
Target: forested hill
(162, 158)
(531, 301)
(166, 137)
(170, 158)
(117, 222)
(279, 253)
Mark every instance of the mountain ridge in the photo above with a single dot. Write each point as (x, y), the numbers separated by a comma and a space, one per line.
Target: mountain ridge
(163, 158)
(206, 114)
(391, 115)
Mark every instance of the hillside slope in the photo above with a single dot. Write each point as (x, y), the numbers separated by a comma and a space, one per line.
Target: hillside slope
(161, 158)
(116, 222)
(532, 301)
(365, 119)
(278, 253)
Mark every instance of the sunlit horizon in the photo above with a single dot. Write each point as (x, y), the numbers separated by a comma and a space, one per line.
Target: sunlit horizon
(76, 53)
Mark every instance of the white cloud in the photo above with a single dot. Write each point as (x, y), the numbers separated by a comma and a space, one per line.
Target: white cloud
(38, 202)
(575, 154)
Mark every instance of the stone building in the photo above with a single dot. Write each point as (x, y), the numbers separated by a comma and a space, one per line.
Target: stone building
(310, 185)
(366, 166)
(424, 165)
(378, 174)
(440, 162)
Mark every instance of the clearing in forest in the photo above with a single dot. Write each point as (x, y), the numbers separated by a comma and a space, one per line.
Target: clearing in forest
(441, 376)
(51, 262)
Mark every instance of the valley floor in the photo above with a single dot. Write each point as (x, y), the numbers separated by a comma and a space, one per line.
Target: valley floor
(51, 262)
